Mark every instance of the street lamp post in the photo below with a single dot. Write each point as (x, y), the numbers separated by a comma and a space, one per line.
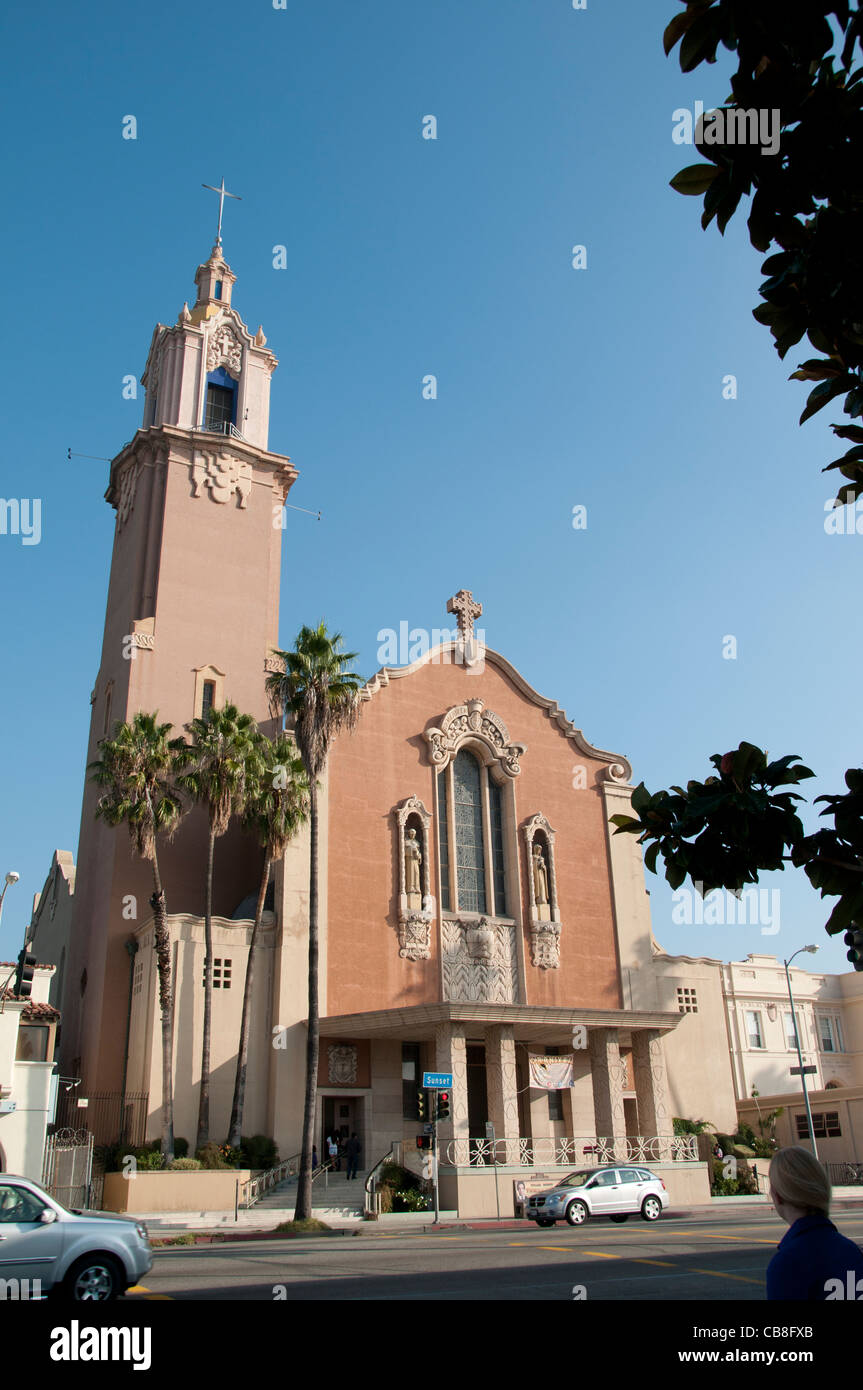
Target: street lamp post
(11, 877)
(811, 950)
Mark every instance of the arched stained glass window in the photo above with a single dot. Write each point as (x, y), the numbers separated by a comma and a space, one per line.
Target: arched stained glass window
(470, 855)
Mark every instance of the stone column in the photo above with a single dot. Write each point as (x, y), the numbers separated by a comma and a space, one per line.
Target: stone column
(651, 1091)
(502, 1090)
(607, 1074)
(451, 1055)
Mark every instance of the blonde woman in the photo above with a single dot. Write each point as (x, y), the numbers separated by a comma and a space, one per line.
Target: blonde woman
(814, 1262)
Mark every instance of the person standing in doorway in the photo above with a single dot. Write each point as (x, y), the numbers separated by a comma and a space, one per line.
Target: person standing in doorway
(352, 1149)
(333, 1151)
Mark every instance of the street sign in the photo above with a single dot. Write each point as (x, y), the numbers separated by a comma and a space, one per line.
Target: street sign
(437, 1080)
(802, 1071)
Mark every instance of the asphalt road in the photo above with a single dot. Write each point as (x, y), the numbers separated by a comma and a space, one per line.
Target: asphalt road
(718, 1257)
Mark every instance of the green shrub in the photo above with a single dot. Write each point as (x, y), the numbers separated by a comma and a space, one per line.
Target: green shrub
(745, 1184)
(149, 1160)
(211, 1156)
(186, 1165)
(764, 1148)
(400, 1179)
(410, 1200)
(259, 1152)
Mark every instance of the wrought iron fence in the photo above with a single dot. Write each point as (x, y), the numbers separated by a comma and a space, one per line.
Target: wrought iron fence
(845, 1174)
(68, 1167)
(111, 1116)
(583, 1151)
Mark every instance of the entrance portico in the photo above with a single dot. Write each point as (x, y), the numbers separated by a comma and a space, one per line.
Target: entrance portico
(616, 1106)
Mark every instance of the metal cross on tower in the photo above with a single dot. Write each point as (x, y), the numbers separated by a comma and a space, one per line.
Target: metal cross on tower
(464, 605)
(223, 194)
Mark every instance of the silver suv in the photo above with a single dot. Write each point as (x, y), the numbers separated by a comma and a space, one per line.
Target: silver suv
(80, 1256)
(617, 1191)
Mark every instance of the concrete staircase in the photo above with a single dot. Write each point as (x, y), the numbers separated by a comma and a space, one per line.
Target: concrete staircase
(332, 1197)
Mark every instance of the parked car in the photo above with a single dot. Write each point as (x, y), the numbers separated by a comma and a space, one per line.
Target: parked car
(615, 1190)
(76, 1255)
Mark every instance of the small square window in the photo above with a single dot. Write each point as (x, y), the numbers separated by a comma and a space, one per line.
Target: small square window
(687, 1002)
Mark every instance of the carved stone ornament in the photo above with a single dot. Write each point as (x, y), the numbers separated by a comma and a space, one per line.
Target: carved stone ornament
(223, 475)
(479, 961)
(472, 721)
(342, 1069)
(479, 939)
(126, 493)
(225, 349)
(415, 905)
(415, 935)
(616, 772)
(545, 945)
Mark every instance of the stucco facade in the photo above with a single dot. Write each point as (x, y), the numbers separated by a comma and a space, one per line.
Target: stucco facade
(27, 1081)
(477, 912)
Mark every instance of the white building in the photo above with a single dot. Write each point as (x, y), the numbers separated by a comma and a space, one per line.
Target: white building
(27, 1083)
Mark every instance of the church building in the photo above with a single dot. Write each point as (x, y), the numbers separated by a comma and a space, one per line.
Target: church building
(478, 915)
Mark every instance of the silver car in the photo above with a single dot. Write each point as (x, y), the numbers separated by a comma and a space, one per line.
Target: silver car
(75, 1255)
(617, 1191)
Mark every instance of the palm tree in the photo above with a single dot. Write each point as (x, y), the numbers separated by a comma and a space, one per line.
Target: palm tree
(223, 743)
(277, 803)
(322, 696)
(136, 768)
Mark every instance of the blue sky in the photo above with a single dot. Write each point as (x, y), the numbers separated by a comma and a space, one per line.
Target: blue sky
(557, 387)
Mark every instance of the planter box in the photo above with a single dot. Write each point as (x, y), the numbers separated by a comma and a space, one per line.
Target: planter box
(202, 1190)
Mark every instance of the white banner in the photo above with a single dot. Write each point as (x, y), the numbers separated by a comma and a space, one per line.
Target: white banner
(550, 1073)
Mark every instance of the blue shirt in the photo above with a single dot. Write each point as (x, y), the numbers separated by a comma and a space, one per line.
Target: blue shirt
(810, 1253)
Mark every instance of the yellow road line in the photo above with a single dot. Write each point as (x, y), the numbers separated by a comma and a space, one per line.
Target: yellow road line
(717, 1274)
(704, 1235)
(663, 1264)
(567, 1249)
(600, 1254)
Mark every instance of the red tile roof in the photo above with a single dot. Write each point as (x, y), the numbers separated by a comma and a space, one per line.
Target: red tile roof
(46, 1013)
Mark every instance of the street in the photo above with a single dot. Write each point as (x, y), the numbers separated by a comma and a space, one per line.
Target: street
(715, 1257)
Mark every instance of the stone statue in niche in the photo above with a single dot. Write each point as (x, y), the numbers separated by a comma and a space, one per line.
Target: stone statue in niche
(413, 862)
(540, 877)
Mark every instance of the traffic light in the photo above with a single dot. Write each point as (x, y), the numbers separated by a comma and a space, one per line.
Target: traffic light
(442, 1105)
(24, 975)
(424, 1141)
(421, 1105)
(854, 940)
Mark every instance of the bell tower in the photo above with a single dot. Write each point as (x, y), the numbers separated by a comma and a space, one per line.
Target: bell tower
(191, 621)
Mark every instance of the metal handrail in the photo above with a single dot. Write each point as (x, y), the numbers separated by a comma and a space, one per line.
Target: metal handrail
(587, 1150)
(225, 427)
(371, 1180)
(253, 1190)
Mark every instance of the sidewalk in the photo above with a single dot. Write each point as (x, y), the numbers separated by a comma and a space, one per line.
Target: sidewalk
(259, 1224)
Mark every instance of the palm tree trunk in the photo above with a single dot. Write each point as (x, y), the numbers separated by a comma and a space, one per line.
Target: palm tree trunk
(243, 1052)
(303, 1208)
(166, 1002)
(204, 1099)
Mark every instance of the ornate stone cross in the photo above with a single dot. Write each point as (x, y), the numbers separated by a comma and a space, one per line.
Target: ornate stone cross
(467, 609)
